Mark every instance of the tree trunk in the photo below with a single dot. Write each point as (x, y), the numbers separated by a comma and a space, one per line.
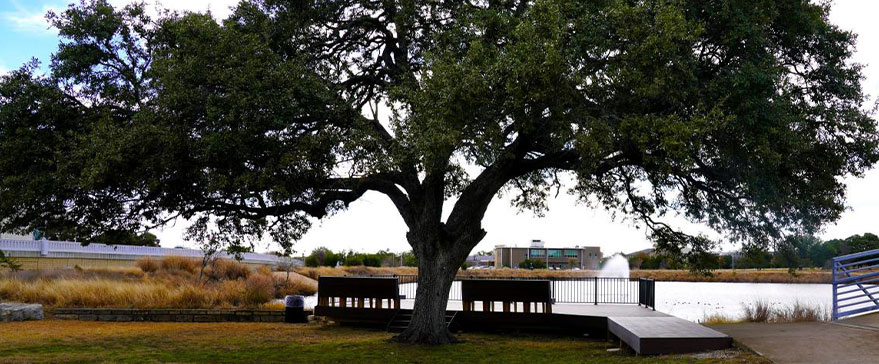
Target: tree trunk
(437, 268)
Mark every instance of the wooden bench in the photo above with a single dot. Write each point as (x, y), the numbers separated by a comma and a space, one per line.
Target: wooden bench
(508, 292)
(358, 292)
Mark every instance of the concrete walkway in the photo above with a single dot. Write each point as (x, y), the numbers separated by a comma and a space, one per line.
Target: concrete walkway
(853, 340)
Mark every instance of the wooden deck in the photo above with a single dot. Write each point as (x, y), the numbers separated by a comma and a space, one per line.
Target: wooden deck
(644, 330)
(665, 335)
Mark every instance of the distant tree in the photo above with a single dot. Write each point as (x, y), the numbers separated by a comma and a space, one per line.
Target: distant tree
(323, 257)
(726, 261)
(352, 259)
(754, 258)
(312, 261)
(820, 255)
(861, 243)
(739, 114)
(127, 238)
(637, 260)
(794, 251)
(409, 259)
(372, 260)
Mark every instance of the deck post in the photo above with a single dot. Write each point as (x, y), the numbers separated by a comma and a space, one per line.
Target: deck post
(595, 281)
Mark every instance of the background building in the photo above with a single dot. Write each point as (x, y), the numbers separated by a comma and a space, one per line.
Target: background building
(587, 257)
(481, 261)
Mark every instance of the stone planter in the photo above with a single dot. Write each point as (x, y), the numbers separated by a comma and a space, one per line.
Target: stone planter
(20, 312)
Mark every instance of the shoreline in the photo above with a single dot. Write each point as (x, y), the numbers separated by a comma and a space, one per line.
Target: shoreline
(767, 275)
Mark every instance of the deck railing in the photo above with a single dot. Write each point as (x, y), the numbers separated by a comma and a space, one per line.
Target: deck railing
(647, 292)
(592, 290)
(855, 284)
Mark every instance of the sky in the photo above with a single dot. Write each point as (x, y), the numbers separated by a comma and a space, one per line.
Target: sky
(372, 222)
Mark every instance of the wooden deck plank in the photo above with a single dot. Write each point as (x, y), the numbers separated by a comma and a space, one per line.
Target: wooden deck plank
(666, 335)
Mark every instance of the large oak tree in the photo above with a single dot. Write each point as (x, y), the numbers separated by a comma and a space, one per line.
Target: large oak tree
(742, 115)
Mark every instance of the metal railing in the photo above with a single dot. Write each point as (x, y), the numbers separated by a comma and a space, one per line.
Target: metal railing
(647, 292)
(591, 290)
(855, 284)
(70, 249)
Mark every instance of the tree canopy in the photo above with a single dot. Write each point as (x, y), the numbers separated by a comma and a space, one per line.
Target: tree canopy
(741, 115)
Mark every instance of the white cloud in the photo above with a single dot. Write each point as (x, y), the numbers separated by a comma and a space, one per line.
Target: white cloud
(220, 9)
(862, 198)
(31, 21)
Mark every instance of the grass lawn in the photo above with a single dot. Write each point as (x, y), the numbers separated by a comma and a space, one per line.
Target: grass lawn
(54, 341)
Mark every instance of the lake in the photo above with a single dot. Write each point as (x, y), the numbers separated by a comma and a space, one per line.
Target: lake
(696, 300)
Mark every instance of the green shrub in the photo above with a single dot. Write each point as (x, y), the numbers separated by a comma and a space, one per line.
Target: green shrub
(8, 262)
(532, 264)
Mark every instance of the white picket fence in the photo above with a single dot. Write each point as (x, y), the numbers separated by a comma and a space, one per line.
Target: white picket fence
(70, 249)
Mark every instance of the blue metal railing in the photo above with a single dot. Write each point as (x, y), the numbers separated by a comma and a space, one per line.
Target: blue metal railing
(855, 284)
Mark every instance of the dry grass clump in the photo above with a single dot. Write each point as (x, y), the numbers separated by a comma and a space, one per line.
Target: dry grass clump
(256, 290)
(295, 284)
(543, 273)
(799, 312)
(759, 311)
(147, 264)
(227, 269)
(170, 283)
(75, 273)
(762, 311)
(259, 289)
(316, 272)
(183, 264)
(102, 293)
(780, 275)
(718, 319)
